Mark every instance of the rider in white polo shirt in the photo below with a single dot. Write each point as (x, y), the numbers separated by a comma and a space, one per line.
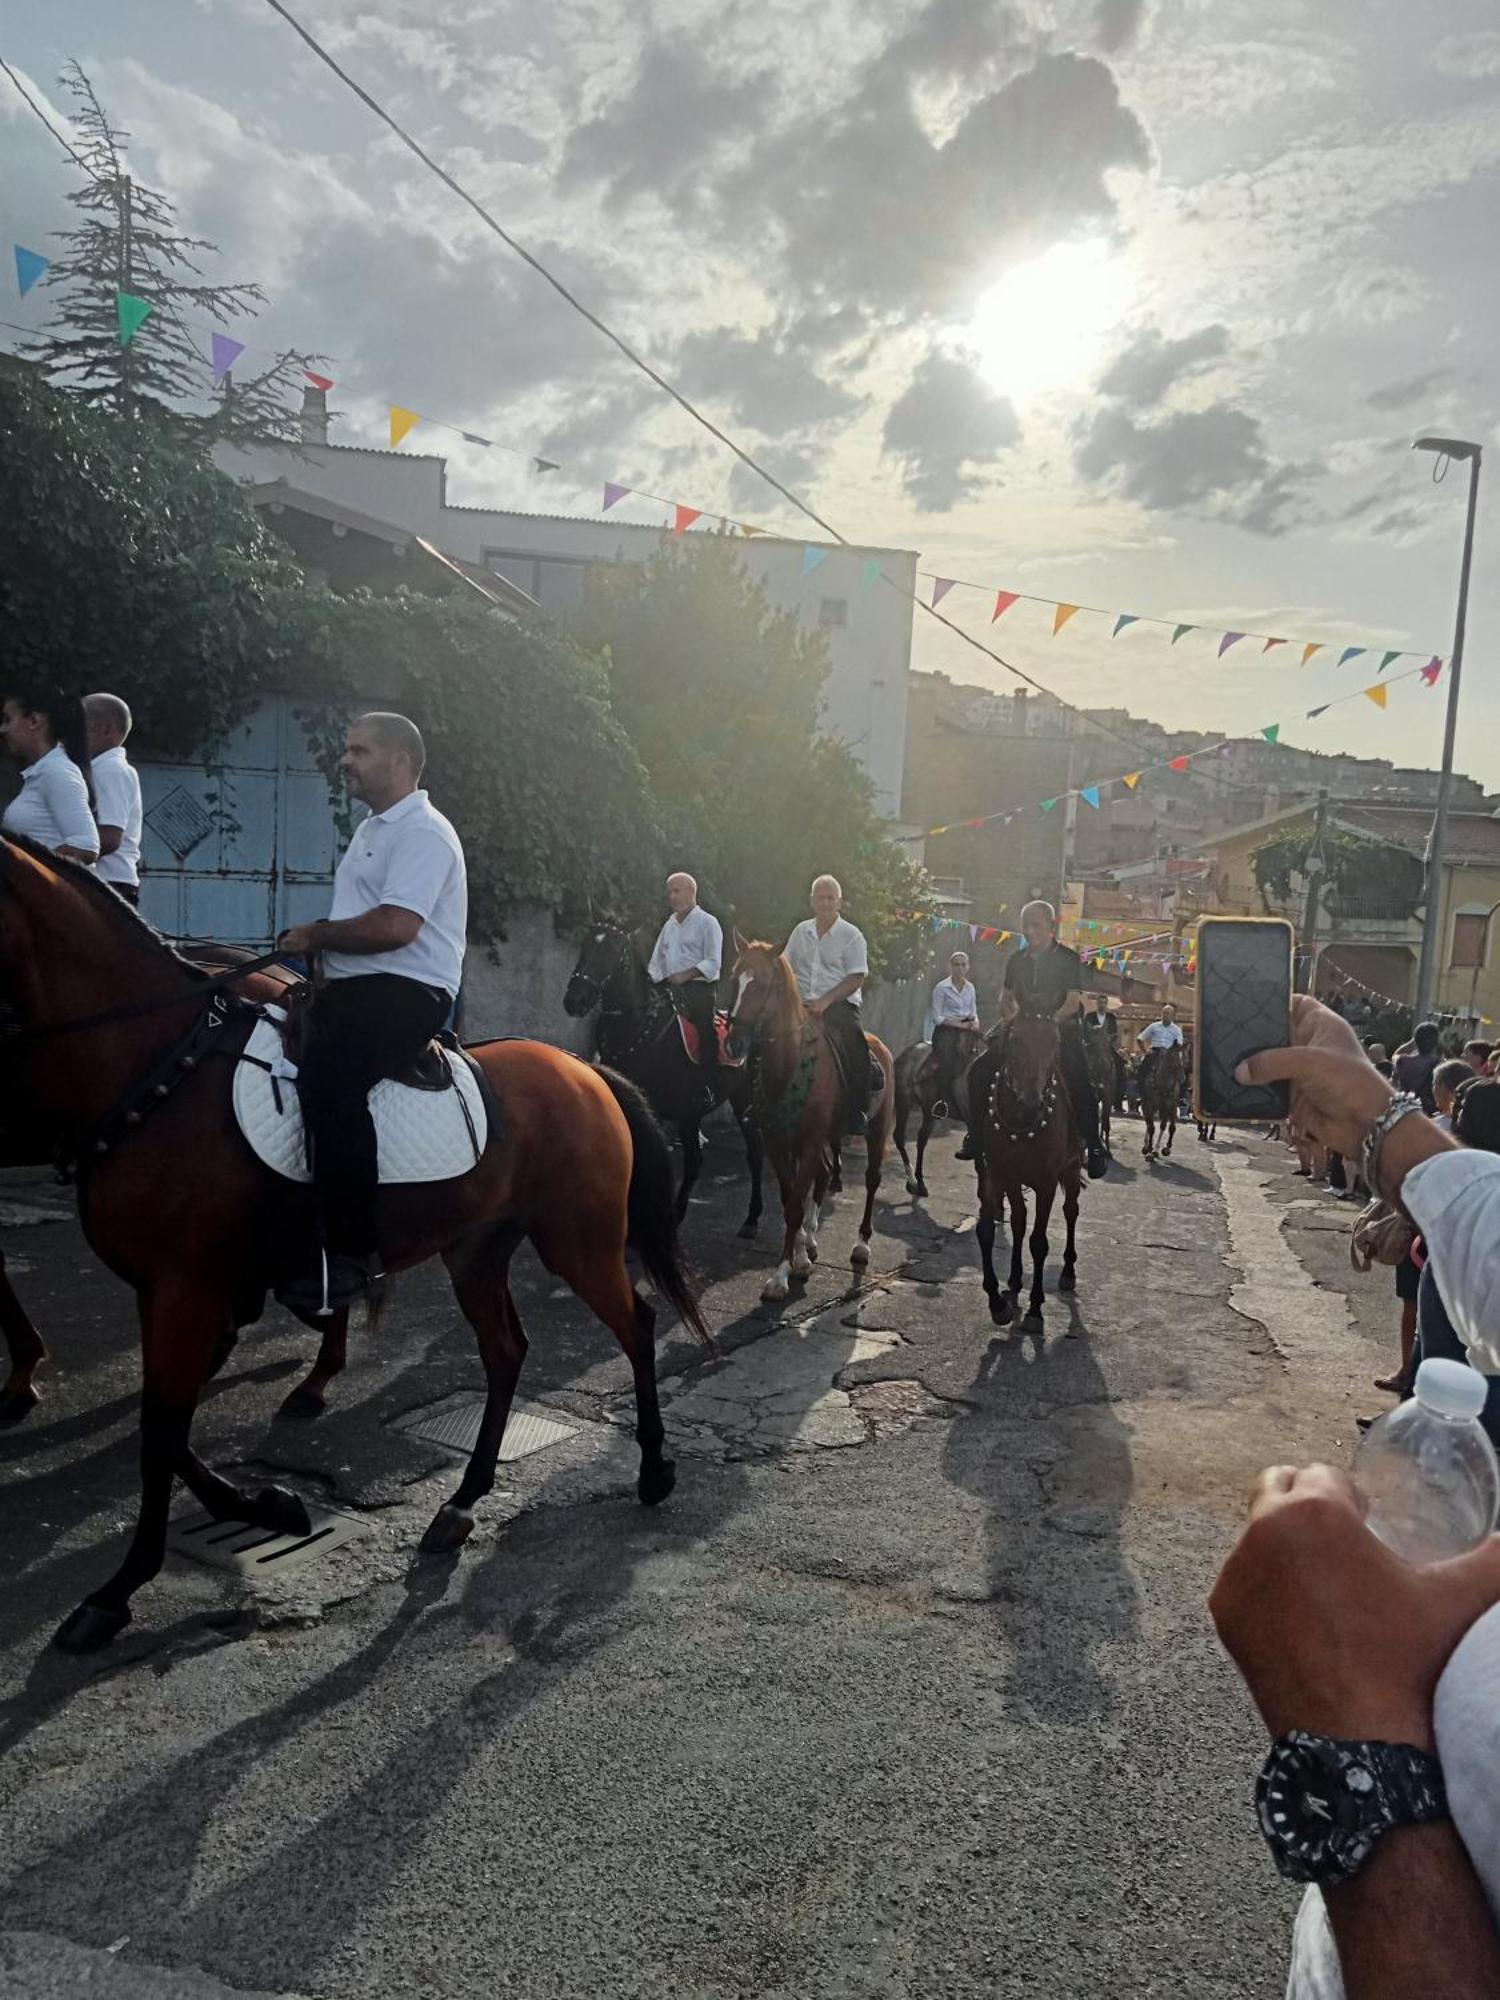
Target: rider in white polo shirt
(117, 795)
(392, 955)
(1164, 1032)
(687, 958)
(829, 961)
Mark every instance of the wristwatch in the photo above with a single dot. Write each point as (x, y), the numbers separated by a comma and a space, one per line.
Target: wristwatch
(1323, 1803)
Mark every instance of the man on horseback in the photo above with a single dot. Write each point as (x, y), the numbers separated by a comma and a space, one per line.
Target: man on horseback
(686, 961)
(829, 961)
(1046, 980)
(392, 955)
(1165, 1032)
(955, 1013)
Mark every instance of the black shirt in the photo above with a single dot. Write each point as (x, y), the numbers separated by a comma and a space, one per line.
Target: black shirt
(1042, 980)
(1102, 1024)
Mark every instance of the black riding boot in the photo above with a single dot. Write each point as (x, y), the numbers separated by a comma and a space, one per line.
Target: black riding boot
(1074, 1063)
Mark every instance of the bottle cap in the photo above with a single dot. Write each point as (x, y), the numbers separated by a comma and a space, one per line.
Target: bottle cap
(1451, 1388)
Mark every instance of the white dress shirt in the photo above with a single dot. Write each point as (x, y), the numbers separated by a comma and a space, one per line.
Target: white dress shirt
(1161, 1035)
(408, 856)
(692, 942)
(952, 1005)
(52, 806)
(117, 802)
(821, 963)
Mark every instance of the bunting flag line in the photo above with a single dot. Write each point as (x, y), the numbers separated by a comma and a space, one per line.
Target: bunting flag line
(30, 266)
(132, 314)
(226, 353)
(403, 422)
(323, 382)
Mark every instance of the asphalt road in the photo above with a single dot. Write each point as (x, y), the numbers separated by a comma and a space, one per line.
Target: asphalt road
(908, 1690)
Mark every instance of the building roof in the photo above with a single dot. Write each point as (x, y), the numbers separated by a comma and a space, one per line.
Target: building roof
(1472, 836)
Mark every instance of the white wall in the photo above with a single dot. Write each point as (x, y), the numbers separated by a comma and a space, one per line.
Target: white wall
(870, 654)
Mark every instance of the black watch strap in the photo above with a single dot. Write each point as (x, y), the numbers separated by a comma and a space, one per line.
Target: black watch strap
(1323, 1802)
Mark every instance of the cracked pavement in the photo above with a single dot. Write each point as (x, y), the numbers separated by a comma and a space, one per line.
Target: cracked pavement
(907, 1690)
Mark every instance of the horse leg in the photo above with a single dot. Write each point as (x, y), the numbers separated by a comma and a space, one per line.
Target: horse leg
(691, 1141)
(984, 1229)
(755, 1159)
(479, 1267)
(608, 1293)
(275, 1508)
(1068, 1280)
(793, 1202)
(929, 1119)
(1039, 1247)
(875, 1140)
(836, 1177)
(25, 1347)
(1150, 1138)
(1017, 1239)
(310, 1397)
(903, 1112)
(812, 1219)
(1169, 1126)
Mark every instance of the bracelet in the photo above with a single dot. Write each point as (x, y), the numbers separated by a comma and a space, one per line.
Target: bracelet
(1400, 1106)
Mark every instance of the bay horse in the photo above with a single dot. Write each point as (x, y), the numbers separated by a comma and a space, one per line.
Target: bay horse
(799, 1104)
(1161, 1093)
(173, 1200)
(918, 1085)
(639, 1037)
(1026, 1138)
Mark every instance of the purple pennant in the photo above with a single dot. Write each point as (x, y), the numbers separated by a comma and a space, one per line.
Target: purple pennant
(612, 493)
(226, 353)
(1229, 639)
(941, 585)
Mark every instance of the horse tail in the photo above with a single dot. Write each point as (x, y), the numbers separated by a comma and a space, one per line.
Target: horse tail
(651, 1208)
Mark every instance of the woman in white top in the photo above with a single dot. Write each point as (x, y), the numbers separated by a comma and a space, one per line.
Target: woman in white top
(45, 731)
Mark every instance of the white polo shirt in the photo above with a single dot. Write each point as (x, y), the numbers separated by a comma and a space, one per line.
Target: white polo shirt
(117, 802)
(949, 1006)
(1161, 1035)
(408, 856)
(821, 963)
(52, 806)
(690, 943)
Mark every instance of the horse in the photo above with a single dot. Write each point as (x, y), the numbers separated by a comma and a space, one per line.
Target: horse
(174, 1201)
(917, 1085)
(1100, 1054)
(1161, 1092)
(29, 1141)
(639, 1037)
(1026, 1139)
(799, 1102)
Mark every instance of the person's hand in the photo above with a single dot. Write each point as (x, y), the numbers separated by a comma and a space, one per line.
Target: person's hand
(1337, 1092)
(1331, 1630)
(298, 941)
(817, 1008)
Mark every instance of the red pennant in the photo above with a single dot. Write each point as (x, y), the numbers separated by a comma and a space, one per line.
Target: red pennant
(323, 382)
(1178, 764)
(684, 518)
(969, 824)
(1004, 599)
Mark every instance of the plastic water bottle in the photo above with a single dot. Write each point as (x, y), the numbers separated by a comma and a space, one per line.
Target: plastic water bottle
(1428, 1469)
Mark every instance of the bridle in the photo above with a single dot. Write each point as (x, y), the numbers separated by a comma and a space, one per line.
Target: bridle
(654, 1025)
(213, 990)
(1040, 1109)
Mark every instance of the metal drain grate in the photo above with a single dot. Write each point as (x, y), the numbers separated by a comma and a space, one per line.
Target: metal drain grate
(251, 1551)
(454, 1424)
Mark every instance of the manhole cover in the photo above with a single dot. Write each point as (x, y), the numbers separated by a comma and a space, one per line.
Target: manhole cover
(256, 1551)
(454, 1424)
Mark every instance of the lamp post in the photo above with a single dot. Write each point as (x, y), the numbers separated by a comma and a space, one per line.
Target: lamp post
(1437, 844)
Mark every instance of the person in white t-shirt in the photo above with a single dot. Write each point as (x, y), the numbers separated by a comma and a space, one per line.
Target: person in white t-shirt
(392, 956)
(45, 731)
(117, 795)
(830, 961)
(687, 958)
(1164, 1032)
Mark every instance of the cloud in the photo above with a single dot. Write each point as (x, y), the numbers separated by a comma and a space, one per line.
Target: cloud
(947, 39)
(1118, 24)
(759, 383)
(945, 427)
(1214, 459)
(1474, 55)
(1401, 395)
(1150, 366)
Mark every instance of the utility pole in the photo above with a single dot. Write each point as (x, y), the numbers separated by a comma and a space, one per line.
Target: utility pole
(127, 222)
(1437, 844)
(1314, 868)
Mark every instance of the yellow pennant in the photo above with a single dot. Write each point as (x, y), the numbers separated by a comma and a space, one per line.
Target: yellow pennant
(1063, 613)
(1308, 651)
(402, 421)
(1132, 778)
(1377, 694)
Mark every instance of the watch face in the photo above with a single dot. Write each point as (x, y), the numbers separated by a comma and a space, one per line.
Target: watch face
(1319, 1810)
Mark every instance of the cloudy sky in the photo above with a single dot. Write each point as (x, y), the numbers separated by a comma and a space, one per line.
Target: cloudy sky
(1137, 303)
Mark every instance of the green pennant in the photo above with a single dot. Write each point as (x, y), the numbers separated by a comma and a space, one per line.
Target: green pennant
(1387, 658)
(133, 313)
(544, 465)
(1048, 804)
(1272, 732)
(870, 573)
(1181, 629)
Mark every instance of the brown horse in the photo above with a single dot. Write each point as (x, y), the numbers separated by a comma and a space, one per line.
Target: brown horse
(1161, 1093)
(800, 1104)
(1026, 1139)
(173, 1200)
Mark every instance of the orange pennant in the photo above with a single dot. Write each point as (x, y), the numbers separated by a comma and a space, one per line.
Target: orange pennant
(1377, 694)
(1060, 618)
(402, 421)
(1308, 651)
(1132, 779)
(683, 518)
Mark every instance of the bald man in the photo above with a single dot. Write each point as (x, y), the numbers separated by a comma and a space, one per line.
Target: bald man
(829, 961)
(687, 957)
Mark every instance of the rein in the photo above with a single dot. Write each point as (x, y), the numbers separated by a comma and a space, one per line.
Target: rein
(135, 1009)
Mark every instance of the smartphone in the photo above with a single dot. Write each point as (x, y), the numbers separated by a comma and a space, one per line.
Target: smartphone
(1244, 1006)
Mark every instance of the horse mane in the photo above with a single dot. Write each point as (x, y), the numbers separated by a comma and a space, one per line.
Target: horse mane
(134, 926)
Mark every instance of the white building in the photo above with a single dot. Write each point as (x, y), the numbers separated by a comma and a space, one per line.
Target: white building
(868, 624)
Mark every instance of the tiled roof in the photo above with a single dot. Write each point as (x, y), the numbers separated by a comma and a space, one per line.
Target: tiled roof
(1471, 836)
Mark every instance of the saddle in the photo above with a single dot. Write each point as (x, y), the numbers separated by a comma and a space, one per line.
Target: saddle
(692, 1041)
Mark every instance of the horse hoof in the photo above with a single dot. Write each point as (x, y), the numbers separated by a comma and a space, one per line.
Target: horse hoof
(1001, 1310)
(656, 1482)
(774, 1289)
(300, 1407)
(1033, 1324)
(1068, 1281)
(279, 1508)
(859, 1256)
(913, 1187)
(90, 1629)
(802, 1266)
(16, 1404)
(448, 1530)
(921, 1190)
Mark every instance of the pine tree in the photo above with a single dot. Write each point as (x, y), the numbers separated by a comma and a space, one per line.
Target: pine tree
(128, 242)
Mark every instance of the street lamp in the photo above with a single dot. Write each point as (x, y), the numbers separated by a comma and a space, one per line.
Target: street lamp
(1437, 843)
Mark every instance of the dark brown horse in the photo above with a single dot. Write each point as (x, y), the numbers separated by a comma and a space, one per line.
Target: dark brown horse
(918, 1083)
(799, 1101)
(173, 1200)
(1026, 1139)
(1161, 1093)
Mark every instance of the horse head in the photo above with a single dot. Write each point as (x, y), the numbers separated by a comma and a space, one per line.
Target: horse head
(762, 983)
(1029, 1068)
(600, 957)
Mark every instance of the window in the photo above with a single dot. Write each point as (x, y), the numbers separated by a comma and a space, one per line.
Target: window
(834, 613)
(1471, 940)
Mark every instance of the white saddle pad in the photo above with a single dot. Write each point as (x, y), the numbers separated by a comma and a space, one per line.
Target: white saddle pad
(423, 1135)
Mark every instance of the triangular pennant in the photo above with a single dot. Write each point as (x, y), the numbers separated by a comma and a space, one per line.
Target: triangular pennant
(402, 423)
(544, 465)
(973, 934)
(1308, 651)
(1319, 711)
(1090, 796)
(612, 493)
(869, 572)
(1271, 731)
(1178, 764)
(969, 825)
(1125, 618)
(226, 353)
(1386, 658)
(941, 585)
(1061, 616)
(1272, 642)
(683, 518)
(1431, 671)
(1004, 599)
(933, 831)
(1229, 639)
(473, 437)
(1350, 653)
(1132, 779)
(1179, 632)
(323, 382)
(30, 264)
(811, 558)
(1048, 804)
(1377, 694)
(132, 314)
(748, 532)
